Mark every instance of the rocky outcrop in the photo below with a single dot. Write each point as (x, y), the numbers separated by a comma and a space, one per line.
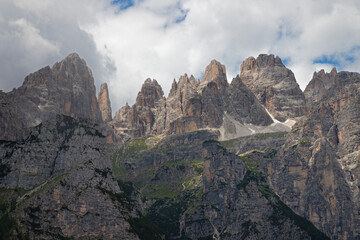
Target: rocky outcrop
(193, 188)
(66, 88)
(192, 105)
(66, 191)
(139, 119)
(184, 100)
(104, 103)
(9, 129)
(319, 85)
(317, 171)
(274, 86)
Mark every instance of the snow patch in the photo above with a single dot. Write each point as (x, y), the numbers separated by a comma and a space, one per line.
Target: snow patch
(232, 128)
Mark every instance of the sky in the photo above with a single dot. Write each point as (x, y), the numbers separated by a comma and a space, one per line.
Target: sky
(125, 42)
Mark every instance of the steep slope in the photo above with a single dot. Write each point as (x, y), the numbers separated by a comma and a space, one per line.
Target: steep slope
(317, 171)
(66, 191)
(192, 105)
(9, 127)
(319, 85)
(169, 178)
(192, 188)
(104, 103)
(274, 85)
(138, 120)
(66, 88)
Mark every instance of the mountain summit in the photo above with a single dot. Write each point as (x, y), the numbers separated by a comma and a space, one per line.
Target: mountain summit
(274, 86)
(252, 159)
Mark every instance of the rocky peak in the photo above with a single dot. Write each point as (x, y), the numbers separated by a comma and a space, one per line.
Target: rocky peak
(330, 78)
(150, 92)
(215, 72)
(185, 83)
(319, 171)
(274, 85)
(264, 60)
(39, 77)
(173, 88)
(104, 103)
(320, 83)
(66, 88)
(74, 74)
(73, 71)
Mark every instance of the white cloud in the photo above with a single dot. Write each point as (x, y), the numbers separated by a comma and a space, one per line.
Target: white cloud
(30, 38)
(163, 39)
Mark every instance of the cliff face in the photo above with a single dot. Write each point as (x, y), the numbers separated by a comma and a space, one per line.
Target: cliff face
(104, 103)
(59, 184)
(9, 127)
(192, 105)
(317, 171)
(66, 88)
(274, 85)
(139, 120)
(166, 177)
(319, 86)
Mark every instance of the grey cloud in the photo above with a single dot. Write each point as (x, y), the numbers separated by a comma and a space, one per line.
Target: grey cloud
(33, 36)
(125, 47)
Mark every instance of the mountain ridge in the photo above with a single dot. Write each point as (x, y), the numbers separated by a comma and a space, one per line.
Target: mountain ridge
(212, 160)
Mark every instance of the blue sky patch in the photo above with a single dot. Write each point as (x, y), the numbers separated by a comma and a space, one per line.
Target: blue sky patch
(285, 61)
(325, 59)
(183, 16)
(339, 60)
(123, 4)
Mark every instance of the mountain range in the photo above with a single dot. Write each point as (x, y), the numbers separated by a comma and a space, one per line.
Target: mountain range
(256, 158)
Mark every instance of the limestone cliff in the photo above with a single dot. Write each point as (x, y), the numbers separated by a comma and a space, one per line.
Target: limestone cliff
(193, 188)
(163, 175)
(66, 88)
(317, 171)
(274, 85)
(104, 103)
(319, 85)
(192, 105)
(138, 120)
(58, 184)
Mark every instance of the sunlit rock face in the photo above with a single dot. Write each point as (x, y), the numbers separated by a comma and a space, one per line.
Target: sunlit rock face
(317, 171)
(104, 103)
(319, 86)
(192, 105)
(274, 85)
(66, 88)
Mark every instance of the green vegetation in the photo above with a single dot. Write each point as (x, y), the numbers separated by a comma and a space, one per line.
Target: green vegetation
(5, 169)
(260, 136)
(104, 173)
(166, 213)
(197, 164)
(128, 149)
(248, 228)
(145, 229)
(280, 209)
(134, 146)
(275, 135)
(118, 170)
(30, 194)
(301, 143)
(8, 224)
(162, 190)
(127, 187)
(250, 164)
(121, 197)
